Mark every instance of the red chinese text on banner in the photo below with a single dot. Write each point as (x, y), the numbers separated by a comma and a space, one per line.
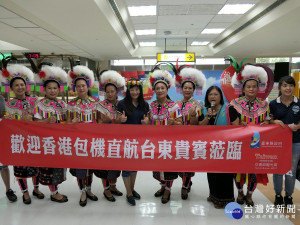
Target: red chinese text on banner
(250, 149)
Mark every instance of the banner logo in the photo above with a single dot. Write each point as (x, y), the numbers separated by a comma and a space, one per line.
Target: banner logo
(255, 140)
(233, 211)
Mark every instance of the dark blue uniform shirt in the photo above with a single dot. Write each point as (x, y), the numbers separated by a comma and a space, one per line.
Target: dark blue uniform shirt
(136, 115)
(288, 115)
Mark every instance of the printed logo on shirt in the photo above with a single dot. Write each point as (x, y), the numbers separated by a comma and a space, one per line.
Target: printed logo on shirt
(296, 109)
(255, 140)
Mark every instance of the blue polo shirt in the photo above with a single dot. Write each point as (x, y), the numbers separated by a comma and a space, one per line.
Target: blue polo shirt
(287, 115)
(136, 115)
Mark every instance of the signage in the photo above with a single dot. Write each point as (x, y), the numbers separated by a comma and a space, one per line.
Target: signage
(34, 55)
(172, 57)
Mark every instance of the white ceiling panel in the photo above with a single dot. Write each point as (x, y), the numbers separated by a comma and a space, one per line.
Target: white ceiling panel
(166, 10)
(217, 25)
(141, 2)
(4, 13)
(49, 37)
(60, 43)
(144, 19)
(17, 22)
(204, 9)
(142, 26)
(180, 22)
(207, 36)
(225, 18)
(190, 2)
(35, 31)
(243, 1)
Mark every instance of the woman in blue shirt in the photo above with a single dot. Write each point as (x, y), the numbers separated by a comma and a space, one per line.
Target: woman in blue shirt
(286, 110)
(132, 110)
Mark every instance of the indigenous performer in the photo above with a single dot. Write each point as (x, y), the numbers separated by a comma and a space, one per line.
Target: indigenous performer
(50, 109)
(249, 80)
(217, 113)
(82, 109)
(163, 111)
(132, 110)
(286, 110)
(111, 83)
(187, 81)
(4, 170)
(19, 78)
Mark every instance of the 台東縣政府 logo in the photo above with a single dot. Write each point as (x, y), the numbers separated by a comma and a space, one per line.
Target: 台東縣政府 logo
(255, 140)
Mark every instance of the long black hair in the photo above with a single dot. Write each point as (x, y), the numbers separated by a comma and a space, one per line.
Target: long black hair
(128, 99)
(206, 102)
(288, 80)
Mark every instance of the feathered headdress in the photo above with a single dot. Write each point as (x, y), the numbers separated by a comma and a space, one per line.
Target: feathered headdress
(9, 72)
(111, 77)
(158, 75)
(51, 73)
(248, 72)
(187, 73)
(78, 72)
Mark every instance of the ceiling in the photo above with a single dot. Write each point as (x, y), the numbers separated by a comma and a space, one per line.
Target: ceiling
(92, 29)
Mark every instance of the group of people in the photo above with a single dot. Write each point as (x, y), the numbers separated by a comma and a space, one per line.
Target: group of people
(249, 80)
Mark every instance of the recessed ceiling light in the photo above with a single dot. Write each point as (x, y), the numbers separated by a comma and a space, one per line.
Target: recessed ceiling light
(213, 31)
(200, 42)
(145, 32)
(147, 44)
(235, 8)
(142, 10)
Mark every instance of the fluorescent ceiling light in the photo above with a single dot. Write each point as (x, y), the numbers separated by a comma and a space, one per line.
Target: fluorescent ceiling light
(150, 62)
(235, 8)
(142, 10)
(128, 62)
(210, 61)
(213, 31)
(147, 44)
(200, 42)
(145, 32)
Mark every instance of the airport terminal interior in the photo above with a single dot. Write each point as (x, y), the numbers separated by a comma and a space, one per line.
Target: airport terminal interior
(130, 37)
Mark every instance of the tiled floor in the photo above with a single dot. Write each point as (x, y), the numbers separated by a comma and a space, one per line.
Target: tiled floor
(148, 211)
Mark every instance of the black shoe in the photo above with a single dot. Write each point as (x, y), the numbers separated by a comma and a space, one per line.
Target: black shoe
(165, 200)
(82, 203)
(111, 199)
(184, 196)
(117, 192)
(278, 200)
(92, 197)
(10, 194)
(288, 200)
(26, 201)
(130, 200)
(38, 195)
(240, 201)
(64, 199)
(248, 203)
(136, 195)
(159, 193)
